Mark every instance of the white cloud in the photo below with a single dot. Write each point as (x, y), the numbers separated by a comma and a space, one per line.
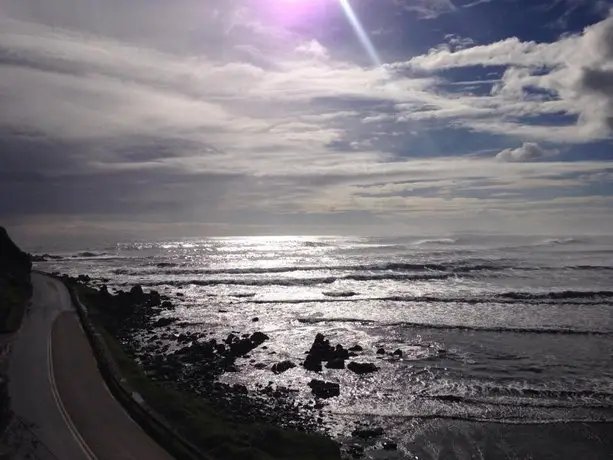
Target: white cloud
(313, 49)
(428, 9)
(475, 3)
(530, 151)
(510, 51)
(456, 42)
(573, 73)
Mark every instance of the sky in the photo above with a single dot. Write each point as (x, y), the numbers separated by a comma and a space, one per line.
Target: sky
(158, 118)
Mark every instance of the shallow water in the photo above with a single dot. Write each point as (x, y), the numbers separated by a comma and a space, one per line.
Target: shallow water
(498, 334)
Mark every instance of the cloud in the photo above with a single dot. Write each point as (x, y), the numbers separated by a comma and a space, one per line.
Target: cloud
(510, 51)
(530, 151)
(599, 82)
(427, 9)
(572, 76)
(475, 3)
(313, 49)
(213, 112)
(456, 42)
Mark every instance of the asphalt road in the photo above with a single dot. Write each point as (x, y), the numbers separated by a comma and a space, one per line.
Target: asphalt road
(63, 408)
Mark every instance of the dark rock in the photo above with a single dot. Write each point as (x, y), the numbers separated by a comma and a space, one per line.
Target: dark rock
(381, 351)
(167, 305)
(398, 353)
(366, 433)
(231, 339)
(356, 348)
(356, 451)
(260, 366)
(340, 353)
(312, 363)
(390, 445)
(163, 322)
(155, 300)
(336, 363)
(183, 338)
(137, 291)
(282, 367)
(450, 398)
(256, 319)
(321, 350)
(362, 368)
(241, 347)
(323, 389)
(258, 338)
(180, 294)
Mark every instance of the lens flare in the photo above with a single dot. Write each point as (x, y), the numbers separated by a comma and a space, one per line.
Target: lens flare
(292, 12)
(360, 32)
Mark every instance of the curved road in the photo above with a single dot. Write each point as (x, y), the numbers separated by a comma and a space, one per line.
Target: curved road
(62, 406)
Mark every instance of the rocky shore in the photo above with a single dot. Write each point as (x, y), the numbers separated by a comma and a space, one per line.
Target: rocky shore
(172, 354)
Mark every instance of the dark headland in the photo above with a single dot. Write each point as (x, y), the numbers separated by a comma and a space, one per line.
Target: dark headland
(15, 290)
(15, 285)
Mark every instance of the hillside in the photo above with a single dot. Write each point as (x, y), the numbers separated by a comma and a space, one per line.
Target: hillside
(15, 286)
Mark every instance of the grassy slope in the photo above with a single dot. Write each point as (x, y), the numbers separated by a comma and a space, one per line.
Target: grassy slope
(203, 426)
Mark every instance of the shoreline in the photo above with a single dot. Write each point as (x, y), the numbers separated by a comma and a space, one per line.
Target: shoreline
(373, 443)
(237, 428)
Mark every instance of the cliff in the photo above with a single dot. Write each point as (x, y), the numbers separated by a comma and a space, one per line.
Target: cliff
(15, 265)
(15, 283)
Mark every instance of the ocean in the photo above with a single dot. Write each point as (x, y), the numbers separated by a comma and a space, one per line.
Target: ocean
(506, 341)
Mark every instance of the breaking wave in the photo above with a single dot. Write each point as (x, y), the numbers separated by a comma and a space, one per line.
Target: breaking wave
(557, 241)
(460, 327)
(339, 293)
(567, 297)
(290, 281)
(435, 241)
(459, 268)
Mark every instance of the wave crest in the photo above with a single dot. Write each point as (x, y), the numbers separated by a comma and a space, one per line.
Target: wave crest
(435, 241)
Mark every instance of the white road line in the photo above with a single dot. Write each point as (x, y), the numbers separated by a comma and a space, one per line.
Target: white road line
(58, 401)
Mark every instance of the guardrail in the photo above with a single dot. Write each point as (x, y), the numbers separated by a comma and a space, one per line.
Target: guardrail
(151, 421)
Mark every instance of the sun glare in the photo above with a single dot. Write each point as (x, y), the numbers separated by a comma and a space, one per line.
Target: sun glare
(360, 32)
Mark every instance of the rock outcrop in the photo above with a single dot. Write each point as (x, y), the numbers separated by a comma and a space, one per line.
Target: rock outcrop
(282, 367)
(362, 368)
(323, 389)
(321, 351)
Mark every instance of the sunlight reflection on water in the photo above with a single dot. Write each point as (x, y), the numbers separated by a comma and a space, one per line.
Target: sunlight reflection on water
(489, 329)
